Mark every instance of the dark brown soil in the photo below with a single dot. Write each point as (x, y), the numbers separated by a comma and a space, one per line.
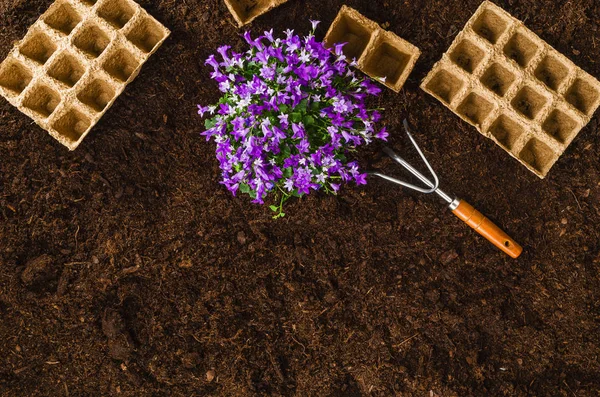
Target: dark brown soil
(126, 269)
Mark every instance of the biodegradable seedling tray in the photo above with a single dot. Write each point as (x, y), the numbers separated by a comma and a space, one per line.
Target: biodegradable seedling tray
(378, 53)
(514, 88)
(246, 11)
(75, 61)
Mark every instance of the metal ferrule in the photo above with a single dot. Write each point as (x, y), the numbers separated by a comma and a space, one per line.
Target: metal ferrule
(454, 204)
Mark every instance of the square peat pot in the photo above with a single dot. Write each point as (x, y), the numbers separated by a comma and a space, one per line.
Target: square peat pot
(246, 11)
(514, 88)
(391, 59)
(75, 61)
(378, 53)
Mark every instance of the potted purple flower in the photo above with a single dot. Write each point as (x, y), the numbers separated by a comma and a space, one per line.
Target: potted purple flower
(290, 114)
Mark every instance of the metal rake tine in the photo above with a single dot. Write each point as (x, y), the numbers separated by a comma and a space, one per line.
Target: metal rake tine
(431, 187)
(429, 167)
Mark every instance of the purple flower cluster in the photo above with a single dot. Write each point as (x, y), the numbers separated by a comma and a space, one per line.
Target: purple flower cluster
(289, 114)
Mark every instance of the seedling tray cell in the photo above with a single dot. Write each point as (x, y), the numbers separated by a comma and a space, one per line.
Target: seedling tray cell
(514, 88)
(75, 61)
(246, 11)
(380, 54)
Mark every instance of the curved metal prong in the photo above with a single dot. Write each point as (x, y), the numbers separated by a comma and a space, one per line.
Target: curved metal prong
(402, 183)
(429, 167)
(431, 186)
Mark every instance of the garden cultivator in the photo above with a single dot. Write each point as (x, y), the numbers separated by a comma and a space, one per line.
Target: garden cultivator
(460, 208)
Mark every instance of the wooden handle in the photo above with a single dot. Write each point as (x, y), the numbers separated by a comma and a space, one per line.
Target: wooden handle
(487, 229)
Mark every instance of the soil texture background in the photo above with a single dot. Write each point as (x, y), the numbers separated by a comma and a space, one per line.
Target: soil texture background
(126, 269)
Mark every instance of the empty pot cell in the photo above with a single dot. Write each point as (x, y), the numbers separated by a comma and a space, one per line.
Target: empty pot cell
(146, 34)
(551, 72)
(498, 79)
(97, 95)
(583, 96)
(467, 55)
(89, 3)
(92, 40)
(475, 108)
(63, 18)
(560, 126)
(120, 64)
(521, 49)
(353, 33)
(538, 155)
(66, 69)
(387, 61)
(38, 47)
(42, 99)
(529, 103)
(72, 125)
(14, 76)
(506, 131)
(490, 26)
(445, 85)
(116, 12)
(248, 9)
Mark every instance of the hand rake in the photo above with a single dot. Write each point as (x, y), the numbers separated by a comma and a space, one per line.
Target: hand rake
(460, 208)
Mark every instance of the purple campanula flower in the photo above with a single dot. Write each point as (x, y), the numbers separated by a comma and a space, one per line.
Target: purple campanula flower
(278, 134)
(290, 114)
(223, 51)
(298, 131)
(269, 35)
(372, 89)
(267, 72)
(382, 134)
(212, 61)
(202, 110)
(360, 179)
(339, 49)
(303, 146)
(375, 116)
(283, 120)
(288, 185)
(262, 57)
(248, 37)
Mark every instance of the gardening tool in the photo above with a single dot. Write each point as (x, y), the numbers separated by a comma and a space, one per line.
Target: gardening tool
(460, 208)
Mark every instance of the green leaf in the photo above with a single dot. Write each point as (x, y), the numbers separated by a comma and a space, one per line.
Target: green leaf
(244, 188)
(274, 208)
(302, 106)
(296, 117)
(284, 154)
(284, 108)
(309, 120)
(210, 123)
(288, 172)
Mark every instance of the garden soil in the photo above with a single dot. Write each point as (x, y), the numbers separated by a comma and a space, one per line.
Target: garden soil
(127, 270)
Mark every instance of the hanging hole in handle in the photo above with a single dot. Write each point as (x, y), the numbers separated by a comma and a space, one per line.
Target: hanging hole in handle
(507, 243)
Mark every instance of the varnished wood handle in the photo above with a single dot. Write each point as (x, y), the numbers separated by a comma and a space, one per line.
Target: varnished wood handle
(487, 229)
